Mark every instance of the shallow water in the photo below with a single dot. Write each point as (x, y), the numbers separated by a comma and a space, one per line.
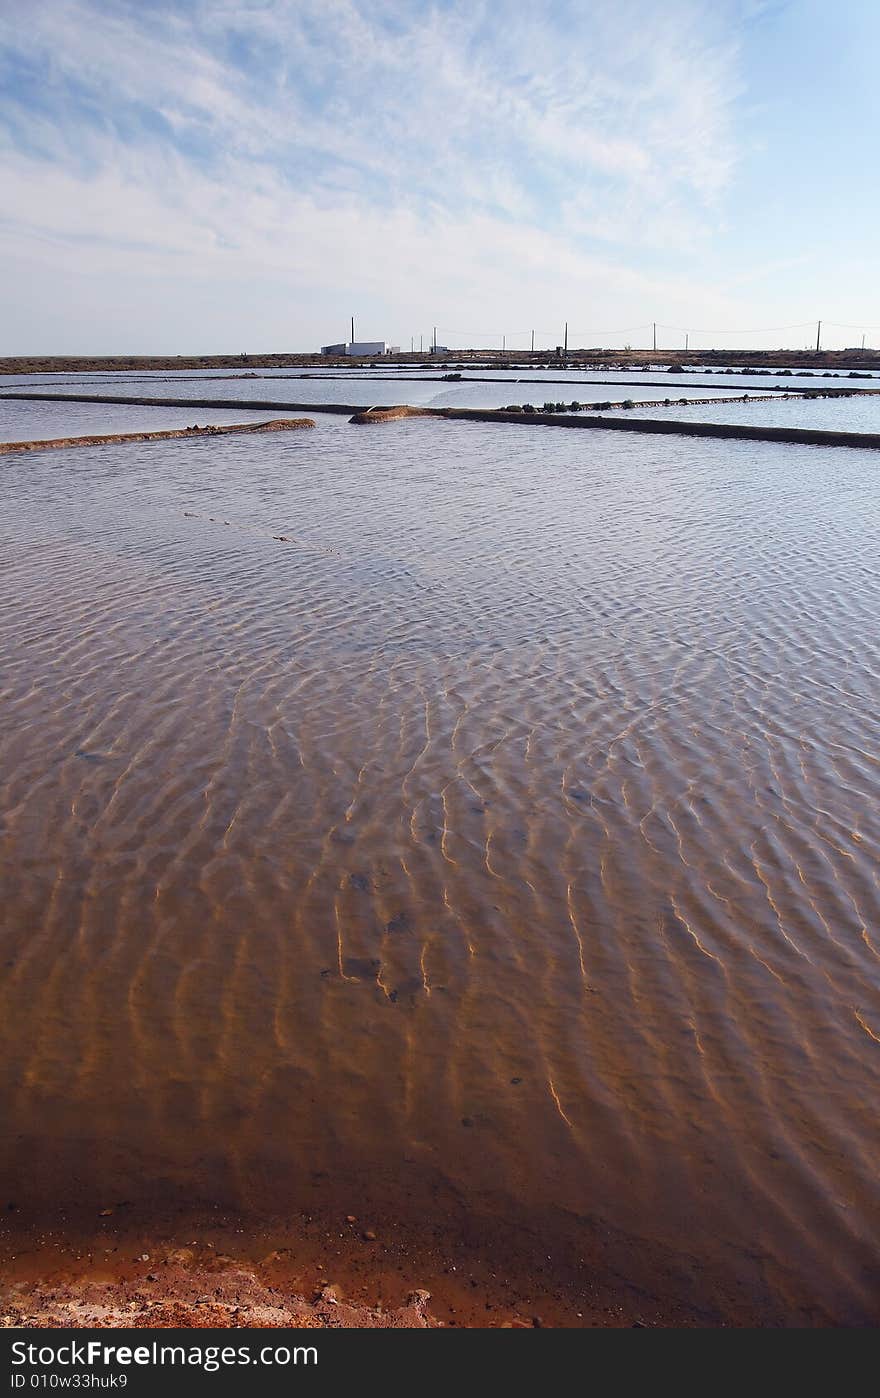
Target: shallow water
(510, 823)
(358, 389)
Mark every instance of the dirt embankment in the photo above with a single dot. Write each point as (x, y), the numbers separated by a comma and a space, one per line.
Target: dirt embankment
(390, 414)
(48, 444)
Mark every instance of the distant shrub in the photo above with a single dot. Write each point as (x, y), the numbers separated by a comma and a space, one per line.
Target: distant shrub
(574, 406)
(674, 369)
(513, 408)
(528, 407)
(560, 407)
(628, 403)
(549, 407)
(603, 406)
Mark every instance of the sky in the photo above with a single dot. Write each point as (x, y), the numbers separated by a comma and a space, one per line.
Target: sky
(225, 176)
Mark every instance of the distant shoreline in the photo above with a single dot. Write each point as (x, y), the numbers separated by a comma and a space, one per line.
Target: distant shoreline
(580, 359)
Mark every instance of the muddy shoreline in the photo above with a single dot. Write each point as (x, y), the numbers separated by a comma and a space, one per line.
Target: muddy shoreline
(215, 1268)
(377, 1238)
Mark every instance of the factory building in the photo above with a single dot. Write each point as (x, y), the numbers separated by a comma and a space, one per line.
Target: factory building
(361, 348)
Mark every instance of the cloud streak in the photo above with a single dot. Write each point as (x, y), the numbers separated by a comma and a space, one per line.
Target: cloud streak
(408, 155)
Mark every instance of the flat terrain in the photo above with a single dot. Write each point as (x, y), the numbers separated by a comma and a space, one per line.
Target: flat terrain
(581, 359)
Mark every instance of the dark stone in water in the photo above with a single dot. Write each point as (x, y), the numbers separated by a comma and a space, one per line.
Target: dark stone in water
(362, 967)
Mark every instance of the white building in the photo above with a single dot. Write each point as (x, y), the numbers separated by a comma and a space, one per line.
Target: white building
(361, 349)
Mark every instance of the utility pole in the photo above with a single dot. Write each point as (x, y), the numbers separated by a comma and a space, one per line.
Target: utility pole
(655, 334)
(421, 337)
(503, 344)
(352, 330)
(412, 343)
(565, 345)
(435, 339)
(686, 340)
(818, 335)
(863, 342)
(533, 342)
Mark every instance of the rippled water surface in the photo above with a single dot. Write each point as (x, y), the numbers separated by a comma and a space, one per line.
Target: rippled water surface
(456, 804)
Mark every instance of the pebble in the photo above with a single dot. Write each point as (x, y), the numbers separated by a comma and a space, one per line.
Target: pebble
(369, 1236)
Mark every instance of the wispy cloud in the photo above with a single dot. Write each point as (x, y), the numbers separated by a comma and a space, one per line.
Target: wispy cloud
(408, 150)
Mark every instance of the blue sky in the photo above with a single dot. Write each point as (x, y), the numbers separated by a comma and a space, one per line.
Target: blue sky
(224, 175)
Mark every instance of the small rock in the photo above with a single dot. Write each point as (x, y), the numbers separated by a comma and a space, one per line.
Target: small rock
(351, 1218)
(180, 1257)
(145, 1257)
(105, 1213)
(369, 1236)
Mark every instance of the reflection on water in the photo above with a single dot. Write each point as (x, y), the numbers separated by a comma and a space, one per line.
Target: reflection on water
(455, 803)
